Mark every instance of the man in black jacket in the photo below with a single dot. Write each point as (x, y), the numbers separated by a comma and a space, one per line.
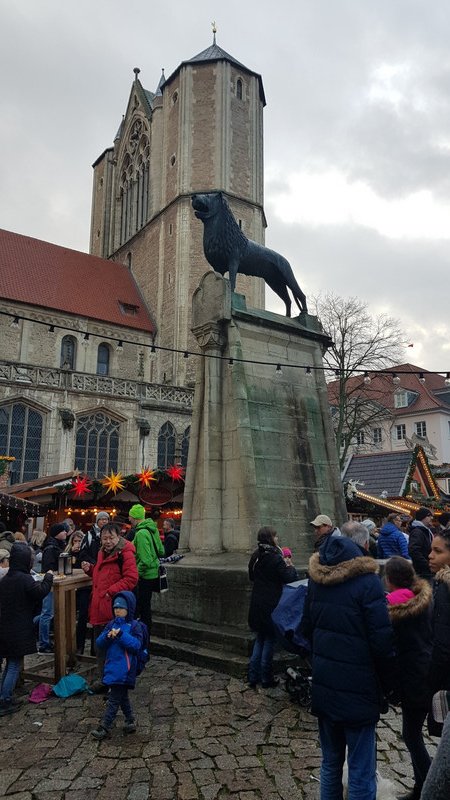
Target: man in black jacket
(419, 546)
(346, 620)
(171, 537)
(52, 549)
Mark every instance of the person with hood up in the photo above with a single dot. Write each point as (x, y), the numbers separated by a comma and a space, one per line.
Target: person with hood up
(420, 539)
(149, 549)
(391, 541)
(346, 620)
(268, 572)
(6, 538)
(4, 563)
(122, 643)
(19, 593)
(410, 603)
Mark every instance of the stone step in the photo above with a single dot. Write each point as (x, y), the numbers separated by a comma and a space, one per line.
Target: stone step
(211, 658)
(232, 640)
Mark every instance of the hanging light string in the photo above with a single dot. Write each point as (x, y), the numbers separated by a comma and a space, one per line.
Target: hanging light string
(279, 366)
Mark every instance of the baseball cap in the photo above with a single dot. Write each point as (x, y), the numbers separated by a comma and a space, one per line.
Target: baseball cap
(321, 519)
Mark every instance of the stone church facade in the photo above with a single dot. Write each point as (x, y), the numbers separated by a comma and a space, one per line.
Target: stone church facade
(79, 383)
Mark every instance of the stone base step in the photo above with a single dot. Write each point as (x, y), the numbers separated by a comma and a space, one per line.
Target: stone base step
(233, 640)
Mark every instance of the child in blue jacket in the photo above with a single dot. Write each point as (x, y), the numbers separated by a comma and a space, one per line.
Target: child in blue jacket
(122, 644)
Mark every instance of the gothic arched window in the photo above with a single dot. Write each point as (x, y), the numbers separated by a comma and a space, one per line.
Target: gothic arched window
(239, 89)
(97, 444)
(166, 446)
(21, 437)
(133, 187)
(68, 352)
(103, 359)
(185, 446)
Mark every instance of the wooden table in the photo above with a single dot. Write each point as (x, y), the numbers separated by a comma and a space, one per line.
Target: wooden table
(64, 622)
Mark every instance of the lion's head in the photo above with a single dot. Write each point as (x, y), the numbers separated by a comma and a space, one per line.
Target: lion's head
(207, 205)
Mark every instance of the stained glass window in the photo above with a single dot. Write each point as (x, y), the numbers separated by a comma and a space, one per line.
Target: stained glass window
(21, 437)
(97, 444)
(166, 446)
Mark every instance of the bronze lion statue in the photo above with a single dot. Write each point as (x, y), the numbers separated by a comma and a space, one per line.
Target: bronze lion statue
(227, 249)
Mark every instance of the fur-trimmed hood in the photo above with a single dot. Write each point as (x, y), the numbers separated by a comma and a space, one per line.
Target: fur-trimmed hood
(443, 576)
(339, 560)
(422, 599)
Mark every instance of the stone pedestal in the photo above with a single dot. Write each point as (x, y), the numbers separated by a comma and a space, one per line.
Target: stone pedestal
(261, 452)
(262, 449)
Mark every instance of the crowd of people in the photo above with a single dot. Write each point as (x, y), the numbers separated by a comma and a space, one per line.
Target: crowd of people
(373, 642)
(125, 574)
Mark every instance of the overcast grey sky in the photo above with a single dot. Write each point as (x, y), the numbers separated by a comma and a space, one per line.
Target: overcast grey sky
(357, 131)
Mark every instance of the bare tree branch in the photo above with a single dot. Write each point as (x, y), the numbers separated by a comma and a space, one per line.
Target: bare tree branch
(360, 342)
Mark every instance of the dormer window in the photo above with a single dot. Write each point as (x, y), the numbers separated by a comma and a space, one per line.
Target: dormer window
(129, 309)
(404, 398)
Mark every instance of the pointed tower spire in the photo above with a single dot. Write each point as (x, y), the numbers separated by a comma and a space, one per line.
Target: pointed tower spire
(162, 81)
(214, 30)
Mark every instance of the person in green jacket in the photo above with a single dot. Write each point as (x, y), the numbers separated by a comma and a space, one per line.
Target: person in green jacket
(149, 549)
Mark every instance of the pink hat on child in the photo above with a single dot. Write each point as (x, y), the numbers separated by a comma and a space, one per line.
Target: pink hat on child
(286, 552)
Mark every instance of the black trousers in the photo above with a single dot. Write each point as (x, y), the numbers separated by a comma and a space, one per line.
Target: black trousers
(117, 698)
(412, 732)
(83, 597)
(145, 589)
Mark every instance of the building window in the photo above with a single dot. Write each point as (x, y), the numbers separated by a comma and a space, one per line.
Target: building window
(239, 89)
(68, 352)
(400, 432)
(103, 359)
(97, 444)
(421, 429)
(21, 437)
(360, 437)
(377, 435)
(185, 446)
(401, 399)
(166, 446)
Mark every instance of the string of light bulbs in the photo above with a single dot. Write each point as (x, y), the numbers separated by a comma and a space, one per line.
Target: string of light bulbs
(279, 366)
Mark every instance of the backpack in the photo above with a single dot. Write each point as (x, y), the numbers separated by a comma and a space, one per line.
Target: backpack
(140, 630)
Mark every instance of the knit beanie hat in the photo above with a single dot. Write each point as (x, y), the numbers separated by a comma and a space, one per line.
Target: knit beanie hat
(287, 553)
(120, 602)
(369, 524)
(4, 554)
(102, 515)
(422, 513)
(58, 527)
(137, 511)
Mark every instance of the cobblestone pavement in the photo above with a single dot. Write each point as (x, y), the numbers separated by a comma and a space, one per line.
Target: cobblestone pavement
(201, 735)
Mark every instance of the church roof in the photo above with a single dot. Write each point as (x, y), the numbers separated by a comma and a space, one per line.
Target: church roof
(43, 274)
(216, 53)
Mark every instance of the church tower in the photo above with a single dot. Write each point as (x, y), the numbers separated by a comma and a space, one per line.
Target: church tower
(200, 131)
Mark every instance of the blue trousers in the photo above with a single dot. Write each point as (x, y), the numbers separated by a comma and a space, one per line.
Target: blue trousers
(9, 679)
(260, 664)
(45, 620)
(335, 737)
(117, 698)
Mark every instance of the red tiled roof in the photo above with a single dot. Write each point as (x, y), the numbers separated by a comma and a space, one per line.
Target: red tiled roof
(381, 389)
(44, 274)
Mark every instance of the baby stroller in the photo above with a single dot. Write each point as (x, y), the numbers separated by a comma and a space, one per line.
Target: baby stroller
(287, 618)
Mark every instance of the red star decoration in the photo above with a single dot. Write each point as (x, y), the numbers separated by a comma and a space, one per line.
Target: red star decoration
(80, 486)
(176, 472)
